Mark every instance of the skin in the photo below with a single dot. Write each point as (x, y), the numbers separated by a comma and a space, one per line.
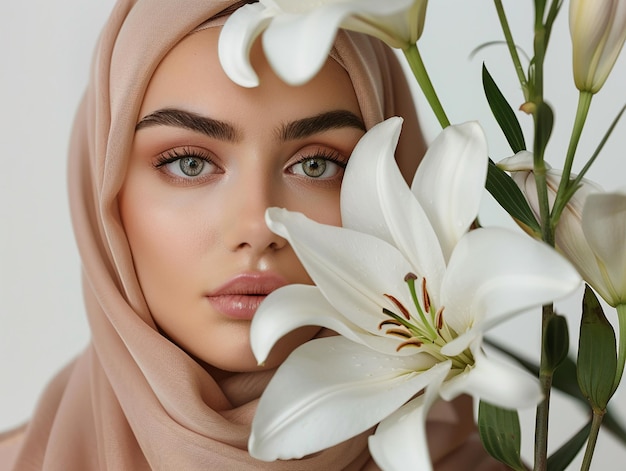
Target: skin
(190, 236)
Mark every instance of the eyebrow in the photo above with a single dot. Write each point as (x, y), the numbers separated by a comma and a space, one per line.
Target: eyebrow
(224, 131)
(306, 127)
(188, 120)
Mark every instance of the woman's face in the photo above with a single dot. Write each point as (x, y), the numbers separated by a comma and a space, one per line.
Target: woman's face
(208, 158)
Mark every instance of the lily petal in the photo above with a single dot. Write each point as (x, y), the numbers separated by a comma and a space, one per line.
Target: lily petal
(449, 182)
(235, 41)
(523, 160)
(604, 226)
(297, 46)
(500, 285)
(376, 200)
(329, 405)
(369, 269)
(401, 437)
(502, 384)
(295, 306)
(298, 40)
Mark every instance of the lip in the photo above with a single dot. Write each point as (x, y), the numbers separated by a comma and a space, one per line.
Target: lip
(240, 297)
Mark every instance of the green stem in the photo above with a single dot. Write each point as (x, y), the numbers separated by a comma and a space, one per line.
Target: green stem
(621, 355)
(593, 438)
(554, 10)
(512, 49)
(543, 409)
(545, 370)
(540, 171)
(584, 102)
(414, 59)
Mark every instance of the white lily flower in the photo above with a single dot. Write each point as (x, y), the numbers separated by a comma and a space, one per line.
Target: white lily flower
(598, 30)
(591, 229)
(300, 33)
(411, 292)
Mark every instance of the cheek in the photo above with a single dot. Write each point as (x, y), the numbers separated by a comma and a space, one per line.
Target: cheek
(166, 236)
(323, 207)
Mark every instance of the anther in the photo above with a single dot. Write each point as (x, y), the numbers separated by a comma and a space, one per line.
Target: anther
(439, 318)
(399, 333)
(389, 322)
(409, 343)
(399, 305)
(425, 296)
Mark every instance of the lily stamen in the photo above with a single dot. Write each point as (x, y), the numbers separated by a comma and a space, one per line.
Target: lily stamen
(410, 281)
(425, 296)
(389, 322)
(439, 319)
(399, 333)
(414, 342)
(405, 312)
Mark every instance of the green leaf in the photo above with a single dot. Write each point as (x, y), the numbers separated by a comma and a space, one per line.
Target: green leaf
(501, 435)
(560, 459)
(556, 341)
(597, 353)
(510, 197)
(504, 114)
(543, 128)
(565, 380)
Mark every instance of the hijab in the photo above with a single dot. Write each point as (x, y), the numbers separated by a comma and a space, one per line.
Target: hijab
(133, 400)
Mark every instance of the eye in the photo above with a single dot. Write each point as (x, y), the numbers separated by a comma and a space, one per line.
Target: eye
(191, 166)
(186, 163)
(321, 165)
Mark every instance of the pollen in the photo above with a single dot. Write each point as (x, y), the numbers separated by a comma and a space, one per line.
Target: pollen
(412, 342)
(398, 304)
(389, 322)
(439, 319)
(425, 296)
(399, 333)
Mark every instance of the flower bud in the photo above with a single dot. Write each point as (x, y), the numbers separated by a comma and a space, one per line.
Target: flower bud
(598, 30)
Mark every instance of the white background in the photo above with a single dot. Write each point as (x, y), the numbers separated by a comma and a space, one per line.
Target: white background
(44, 58)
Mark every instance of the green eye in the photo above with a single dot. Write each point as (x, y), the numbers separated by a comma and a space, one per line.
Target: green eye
(314, 167)
(191, 166)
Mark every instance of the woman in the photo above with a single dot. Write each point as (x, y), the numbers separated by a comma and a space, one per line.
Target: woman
(171, 168)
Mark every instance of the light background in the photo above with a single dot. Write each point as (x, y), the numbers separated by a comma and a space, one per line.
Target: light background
(44, 58)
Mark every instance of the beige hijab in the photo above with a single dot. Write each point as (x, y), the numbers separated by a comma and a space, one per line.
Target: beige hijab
(133, 400)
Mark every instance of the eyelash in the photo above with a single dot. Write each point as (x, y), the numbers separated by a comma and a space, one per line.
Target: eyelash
(174, 155)
(326, 154)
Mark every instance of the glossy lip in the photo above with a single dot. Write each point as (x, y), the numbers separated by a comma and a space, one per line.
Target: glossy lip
(240, 297)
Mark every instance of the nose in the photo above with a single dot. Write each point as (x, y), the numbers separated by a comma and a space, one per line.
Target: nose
(245, 228)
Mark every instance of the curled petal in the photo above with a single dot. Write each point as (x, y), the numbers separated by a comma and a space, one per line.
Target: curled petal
(604, 226)
(353, 270)
(522, 161)
(297, 45)
(295, 306)
(401, 437)
(502, 384)
(342, 389)
(376, 200)
(236, 40)
(298, 40)
(510, 273)
(449, 182)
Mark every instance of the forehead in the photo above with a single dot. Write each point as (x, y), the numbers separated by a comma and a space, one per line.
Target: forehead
(191, 76)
